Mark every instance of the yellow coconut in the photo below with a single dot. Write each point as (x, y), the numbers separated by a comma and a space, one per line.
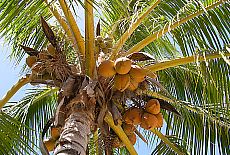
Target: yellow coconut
(137, 73)
(133, 85)
(51, 49)
(159, 120)
(106, 69)
(30, 60)
(148, 121)
(153, 106)
(133, 116)
(55, 132)
(122, 65)
(132, 137)
(128, 128)
(50, 144)
(121, 82)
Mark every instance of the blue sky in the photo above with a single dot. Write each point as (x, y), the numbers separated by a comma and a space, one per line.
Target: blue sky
(9, 73)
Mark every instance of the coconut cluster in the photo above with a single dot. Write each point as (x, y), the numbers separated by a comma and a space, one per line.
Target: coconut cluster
(147, 117)
(49, 61)
(129, 130)
(32, 60)
(127, 75)
(105, 44)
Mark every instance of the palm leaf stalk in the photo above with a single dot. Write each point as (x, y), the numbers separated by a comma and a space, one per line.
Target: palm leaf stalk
(89, 38)
(23, 81)
(170, 27)
(73, 26)
(63, 23)
(183, 61)
(132, 28)
(166, 141)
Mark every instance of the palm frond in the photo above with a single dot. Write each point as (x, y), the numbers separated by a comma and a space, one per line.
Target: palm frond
(33, 110)
(20, 25)
(163, 149)
(166, 13)
(208, 97)
(21, 82)
(203, 85)
(184, 18)
(12, 137)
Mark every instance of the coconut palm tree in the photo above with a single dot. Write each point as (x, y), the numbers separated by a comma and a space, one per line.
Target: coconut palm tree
(144, 61)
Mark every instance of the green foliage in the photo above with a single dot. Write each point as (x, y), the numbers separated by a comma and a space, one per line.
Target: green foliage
(162, 148)
(20, 24)
(12, 138)
(33, 110)
(204, 86)
(200, 90)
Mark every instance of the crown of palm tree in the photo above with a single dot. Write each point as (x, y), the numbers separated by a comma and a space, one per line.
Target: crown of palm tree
(184, 42)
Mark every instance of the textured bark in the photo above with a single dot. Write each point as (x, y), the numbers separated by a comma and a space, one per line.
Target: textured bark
(75, 135)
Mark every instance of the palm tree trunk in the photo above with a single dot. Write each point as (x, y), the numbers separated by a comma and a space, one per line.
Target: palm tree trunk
(79, 118)
(75, 135)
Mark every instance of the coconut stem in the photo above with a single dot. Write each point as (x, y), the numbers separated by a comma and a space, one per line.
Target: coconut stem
(89, 39)
(21, 82)
(120, 133)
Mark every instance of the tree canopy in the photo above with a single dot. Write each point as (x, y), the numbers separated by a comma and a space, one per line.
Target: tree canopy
(188, 42)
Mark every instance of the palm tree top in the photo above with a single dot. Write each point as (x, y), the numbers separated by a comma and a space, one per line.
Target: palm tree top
(173, 53)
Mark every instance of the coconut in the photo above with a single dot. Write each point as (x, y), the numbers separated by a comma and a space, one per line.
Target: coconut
(55, 132)
(133, 85)
(30, 60)
(153, 106)
(122, 65)
(128, 128)
(121, 82)
(50, 144)
(137, 73)
(106, 69)
(132, 137)
(159, 120)
(133, 116)
(51, 49)
(148, 121)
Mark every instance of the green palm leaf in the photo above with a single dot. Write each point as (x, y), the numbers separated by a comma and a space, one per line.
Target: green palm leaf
(33, 110)
(12, 138)
(20, 24)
